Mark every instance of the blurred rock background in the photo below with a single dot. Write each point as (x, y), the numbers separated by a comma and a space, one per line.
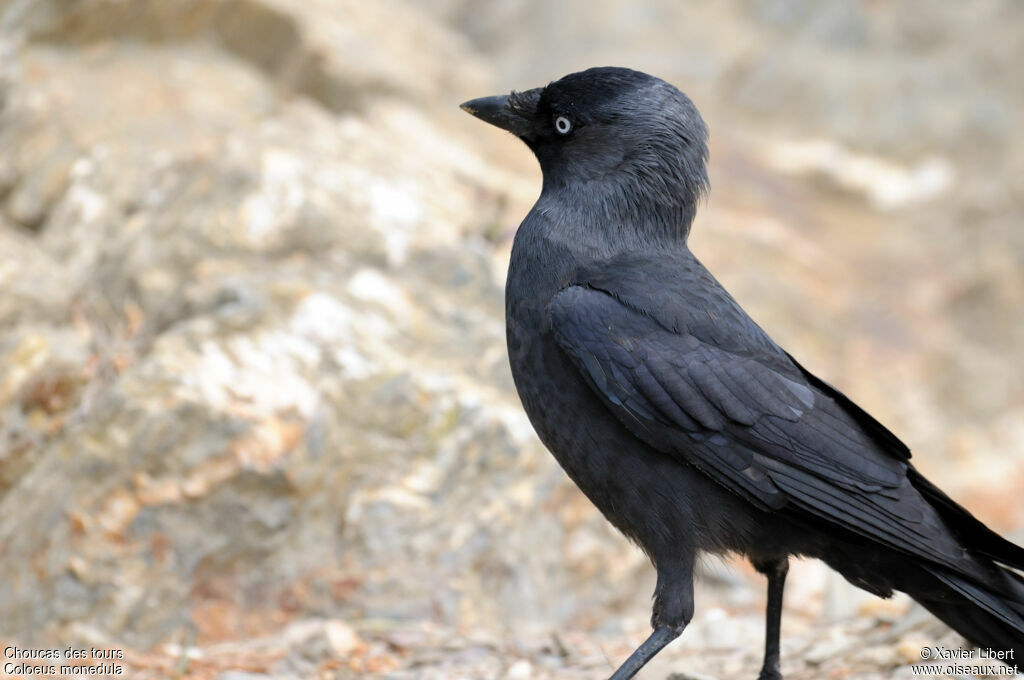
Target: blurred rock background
(255, 413)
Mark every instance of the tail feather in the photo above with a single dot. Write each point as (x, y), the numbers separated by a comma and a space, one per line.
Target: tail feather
(990, 616)
(984, 600)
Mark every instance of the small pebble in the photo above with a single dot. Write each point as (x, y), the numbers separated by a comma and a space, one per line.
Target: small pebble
(520, 670)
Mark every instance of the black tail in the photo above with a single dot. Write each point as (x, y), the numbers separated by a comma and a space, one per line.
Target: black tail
(985, 601)
(986, 609)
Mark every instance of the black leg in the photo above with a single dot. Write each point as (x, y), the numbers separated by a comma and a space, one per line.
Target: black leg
(775, 570)
(673, 609)
(645, 652)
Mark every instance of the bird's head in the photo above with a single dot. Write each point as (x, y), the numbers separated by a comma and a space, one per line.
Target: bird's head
(612, 132)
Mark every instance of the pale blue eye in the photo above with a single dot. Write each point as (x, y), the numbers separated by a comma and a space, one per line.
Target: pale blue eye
(562, 125)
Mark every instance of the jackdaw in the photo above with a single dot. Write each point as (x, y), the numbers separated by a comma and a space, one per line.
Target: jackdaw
(676, 414)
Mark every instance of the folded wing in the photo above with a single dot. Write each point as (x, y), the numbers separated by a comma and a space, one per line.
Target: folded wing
(713, 391)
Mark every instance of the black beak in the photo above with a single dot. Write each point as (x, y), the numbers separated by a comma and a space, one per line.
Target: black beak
(498, 112)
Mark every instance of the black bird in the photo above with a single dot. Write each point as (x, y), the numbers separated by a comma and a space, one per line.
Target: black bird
(680, 419)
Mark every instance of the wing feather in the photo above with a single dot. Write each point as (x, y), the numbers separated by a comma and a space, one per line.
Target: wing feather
(745, 416)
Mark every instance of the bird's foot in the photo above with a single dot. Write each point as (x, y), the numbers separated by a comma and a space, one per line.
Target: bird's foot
(769, 674)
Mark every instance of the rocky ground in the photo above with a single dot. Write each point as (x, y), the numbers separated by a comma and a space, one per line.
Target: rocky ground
(255, 414)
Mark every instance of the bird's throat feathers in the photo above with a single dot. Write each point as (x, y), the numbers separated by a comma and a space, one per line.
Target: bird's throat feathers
(630, 211)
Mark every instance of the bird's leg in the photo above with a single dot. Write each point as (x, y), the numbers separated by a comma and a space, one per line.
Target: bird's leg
(775, 570)
(645, 652)
(673, 609)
